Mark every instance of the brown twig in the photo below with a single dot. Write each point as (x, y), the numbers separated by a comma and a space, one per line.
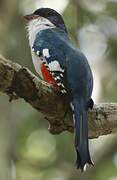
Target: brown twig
(19, 82)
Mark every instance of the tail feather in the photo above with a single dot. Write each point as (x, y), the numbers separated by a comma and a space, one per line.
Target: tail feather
(81, 134)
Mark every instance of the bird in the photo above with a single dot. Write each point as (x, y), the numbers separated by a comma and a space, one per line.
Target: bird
(60, 63)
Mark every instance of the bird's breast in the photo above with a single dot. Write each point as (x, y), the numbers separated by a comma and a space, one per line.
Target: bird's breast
(37, 64)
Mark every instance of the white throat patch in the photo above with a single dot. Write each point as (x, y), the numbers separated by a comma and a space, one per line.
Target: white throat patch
(37, 25)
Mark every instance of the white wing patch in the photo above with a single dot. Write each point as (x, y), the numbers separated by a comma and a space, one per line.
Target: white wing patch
(55, 66)
(46, 53)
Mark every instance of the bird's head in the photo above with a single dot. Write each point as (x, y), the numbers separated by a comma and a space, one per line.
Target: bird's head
(45, 18)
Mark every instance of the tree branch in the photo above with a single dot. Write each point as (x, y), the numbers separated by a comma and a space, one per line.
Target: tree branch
(19, 82)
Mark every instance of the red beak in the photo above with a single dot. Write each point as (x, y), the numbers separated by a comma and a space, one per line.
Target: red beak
(30, 17)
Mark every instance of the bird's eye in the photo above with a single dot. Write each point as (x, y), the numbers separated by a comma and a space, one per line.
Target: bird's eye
(49, 14)
(47, 25)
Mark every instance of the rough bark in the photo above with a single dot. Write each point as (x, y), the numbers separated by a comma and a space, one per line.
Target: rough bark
(19, 82)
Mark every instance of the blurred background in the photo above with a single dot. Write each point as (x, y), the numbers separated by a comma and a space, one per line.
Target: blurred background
(27, 150)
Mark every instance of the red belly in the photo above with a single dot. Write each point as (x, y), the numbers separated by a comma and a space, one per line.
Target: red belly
(48, 77)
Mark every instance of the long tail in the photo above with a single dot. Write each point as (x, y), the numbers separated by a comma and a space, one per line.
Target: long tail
(81, 134)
